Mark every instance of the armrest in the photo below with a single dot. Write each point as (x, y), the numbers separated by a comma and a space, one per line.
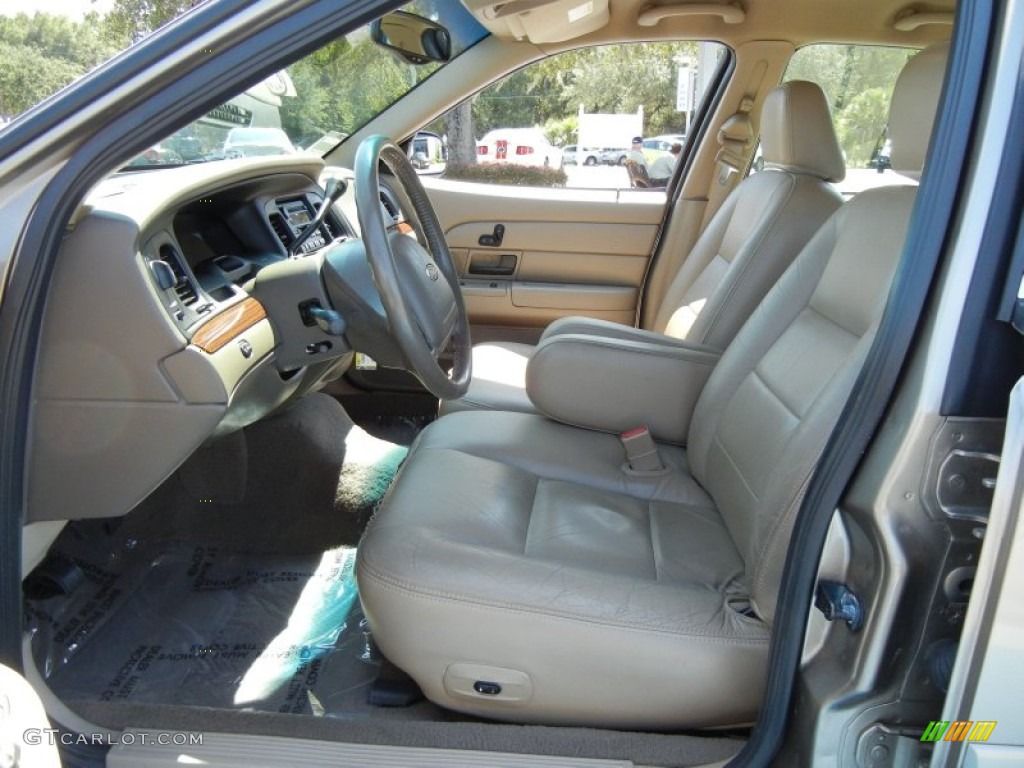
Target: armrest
(606, 329)
(616, 384)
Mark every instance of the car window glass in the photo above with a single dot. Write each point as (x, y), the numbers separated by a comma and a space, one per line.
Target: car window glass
(49, 47)
(858, 81)
(311, 106)
(570, 120)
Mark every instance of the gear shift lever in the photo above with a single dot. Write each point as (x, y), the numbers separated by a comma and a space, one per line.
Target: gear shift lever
(334, 188)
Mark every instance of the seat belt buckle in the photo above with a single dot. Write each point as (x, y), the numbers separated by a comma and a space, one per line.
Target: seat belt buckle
(641, 452)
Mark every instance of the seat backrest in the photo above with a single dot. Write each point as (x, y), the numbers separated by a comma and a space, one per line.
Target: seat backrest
(762, 225)
(768, 409)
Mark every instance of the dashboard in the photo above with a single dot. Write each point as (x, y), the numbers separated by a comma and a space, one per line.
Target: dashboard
(218, 244)
(164, 328)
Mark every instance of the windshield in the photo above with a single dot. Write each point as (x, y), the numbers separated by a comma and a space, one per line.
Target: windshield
(313, 105)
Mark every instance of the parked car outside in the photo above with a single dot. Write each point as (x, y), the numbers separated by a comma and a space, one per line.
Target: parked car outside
(573, 154)
(613, 155)
(158, 154)
(325, 143)
(656, 146)
(256, 142)
(519, 146)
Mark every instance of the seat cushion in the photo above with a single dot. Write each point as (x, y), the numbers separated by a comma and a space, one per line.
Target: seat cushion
(512, 540)
(499, 380)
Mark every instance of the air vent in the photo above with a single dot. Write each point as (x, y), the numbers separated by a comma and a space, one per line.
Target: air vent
(183, 285)
(284, 234)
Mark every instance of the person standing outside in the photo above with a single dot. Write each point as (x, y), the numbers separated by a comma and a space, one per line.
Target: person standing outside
(636, 164)
(636, 153)
(663, 167)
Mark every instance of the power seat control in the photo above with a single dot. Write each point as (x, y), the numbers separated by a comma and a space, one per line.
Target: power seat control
(485, 688)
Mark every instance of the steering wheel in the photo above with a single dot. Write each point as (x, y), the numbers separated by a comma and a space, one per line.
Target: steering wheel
(418, 286)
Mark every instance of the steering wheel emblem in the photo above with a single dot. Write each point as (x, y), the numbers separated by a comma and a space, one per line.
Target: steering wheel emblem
(432, 272)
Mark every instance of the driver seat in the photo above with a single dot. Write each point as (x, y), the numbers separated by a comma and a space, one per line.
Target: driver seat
(518, 571)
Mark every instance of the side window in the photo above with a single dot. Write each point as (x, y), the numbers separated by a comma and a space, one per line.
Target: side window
(571, 120)
(858, 81)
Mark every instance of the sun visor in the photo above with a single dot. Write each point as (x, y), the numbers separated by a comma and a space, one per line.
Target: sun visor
(540, 21)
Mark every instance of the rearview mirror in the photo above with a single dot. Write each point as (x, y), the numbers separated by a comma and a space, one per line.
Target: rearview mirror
(415, 39)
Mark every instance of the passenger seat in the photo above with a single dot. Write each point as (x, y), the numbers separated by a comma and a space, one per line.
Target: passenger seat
(746, 247)
(533, 571)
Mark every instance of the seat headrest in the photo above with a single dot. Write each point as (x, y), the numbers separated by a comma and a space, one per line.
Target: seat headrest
(915, 100)
(797, 134)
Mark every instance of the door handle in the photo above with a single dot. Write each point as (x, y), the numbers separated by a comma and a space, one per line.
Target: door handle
(498, 271)
(492, 265)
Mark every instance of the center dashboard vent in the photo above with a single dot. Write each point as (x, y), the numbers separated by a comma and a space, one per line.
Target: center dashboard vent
(281, 229)
(183, 285)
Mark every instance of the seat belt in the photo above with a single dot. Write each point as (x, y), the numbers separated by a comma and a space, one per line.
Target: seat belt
(734, 139)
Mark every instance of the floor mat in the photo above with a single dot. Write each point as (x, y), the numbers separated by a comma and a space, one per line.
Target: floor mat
(205, 626)
(370, 465)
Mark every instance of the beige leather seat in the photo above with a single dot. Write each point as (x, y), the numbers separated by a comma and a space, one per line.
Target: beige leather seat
(747, 245)
(518, 570)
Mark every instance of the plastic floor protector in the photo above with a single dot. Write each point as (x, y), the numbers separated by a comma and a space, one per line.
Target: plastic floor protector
(177, 623)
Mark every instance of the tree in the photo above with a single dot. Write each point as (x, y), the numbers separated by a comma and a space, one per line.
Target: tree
(858, 81)
(612, 78)
(43, 53)
(562, 131)
(461, 142)
(620, 78)
(524, 99)
(860, 123)
(131, 20)
(29, 76)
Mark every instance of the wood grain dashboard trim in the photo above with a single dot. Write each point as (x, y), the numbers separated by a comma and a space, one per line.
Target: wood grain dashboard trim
(222, 328)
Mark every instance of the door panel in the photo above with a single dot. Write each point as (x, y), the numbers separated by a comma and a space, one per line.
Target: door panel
(561, 252)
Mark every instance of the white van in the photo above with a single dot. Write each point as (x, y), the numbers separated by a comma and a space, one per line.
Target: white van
(519, 146)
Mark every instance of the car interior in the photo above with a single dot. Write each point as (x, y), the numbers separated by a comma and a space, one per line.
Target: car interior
(349, 451)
